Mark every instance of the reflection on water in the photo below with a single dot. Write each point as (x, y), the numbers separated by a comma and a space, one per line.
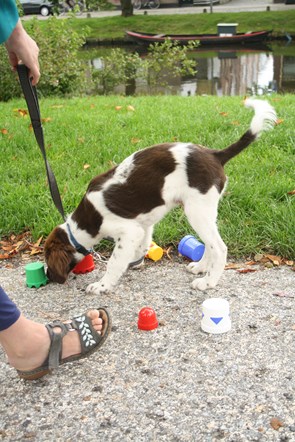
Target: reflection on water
(225, 72)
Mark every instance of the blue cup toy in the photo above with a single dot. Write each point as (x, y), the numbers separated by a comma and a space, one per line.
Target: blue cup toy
(190, 247)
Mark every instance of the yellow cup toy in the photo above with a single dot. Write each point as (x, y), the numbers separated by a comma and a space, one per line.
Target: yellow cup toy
(155, 252)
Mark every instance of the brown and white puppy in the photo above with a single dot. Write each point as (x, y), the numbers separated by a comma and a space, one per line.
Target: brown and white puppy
(125, 203)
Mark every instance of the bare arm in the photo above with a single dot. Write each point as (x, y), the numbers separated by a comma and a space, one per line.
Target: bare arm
(22, 48)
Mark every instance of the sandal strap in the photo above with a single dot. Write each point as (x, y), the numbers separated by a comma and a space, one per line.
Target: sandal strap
(54, 355)
(88, 335)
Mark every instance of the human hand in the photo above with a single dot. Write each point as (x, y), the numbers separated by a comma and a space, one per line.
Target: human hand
(22, 48)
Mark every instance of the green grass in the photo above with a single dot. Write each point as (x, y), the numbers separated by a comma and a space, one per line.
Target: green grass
(114, 27)
(256, 214)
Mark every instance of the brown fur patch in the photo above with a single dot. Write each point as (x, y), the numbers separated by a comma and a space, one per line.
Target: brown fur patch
(87, 217)
(204, 169)
(142, 191)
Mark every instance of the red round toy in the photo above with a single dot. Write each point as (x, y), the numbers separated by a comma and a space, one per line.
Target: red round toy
(147, 319)
(84, 266)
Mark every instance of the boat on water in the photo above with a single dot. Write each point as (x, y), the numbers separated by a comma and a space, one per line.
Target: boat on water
(241, 38)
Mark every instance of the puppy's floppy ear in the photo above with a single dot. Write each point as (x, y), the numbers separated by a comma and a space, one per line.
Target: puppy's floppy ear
(59, 256)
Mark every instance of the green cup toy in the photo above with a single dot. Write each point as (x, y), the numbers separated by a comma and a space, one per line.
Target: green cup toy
(35, 275)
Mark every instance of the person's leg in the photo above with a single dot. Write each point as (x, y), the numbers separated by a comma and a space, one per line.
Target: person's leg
(26, 343)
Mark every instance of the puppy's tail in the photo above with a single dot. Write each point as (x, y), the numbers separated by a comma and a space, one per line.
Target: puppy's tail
(264, 118)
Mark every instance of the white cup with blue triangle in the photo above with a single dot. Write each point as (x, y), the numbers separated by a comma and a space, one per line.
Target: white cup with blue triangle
(215, 316)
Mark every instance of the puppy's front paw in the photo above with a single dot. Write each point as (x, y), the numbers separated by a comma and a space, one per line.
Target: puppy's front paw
(202, 284)
(97, 288)
(196, 267)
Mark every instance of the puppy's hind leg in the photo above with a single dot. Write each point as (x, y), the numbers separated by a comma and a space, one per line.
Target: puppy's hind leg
(142, 249)
(203, 220)
(123, 254)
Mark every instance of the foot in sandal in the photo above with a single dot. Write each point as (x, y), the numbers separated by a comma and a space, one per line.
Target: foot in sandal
(35, 349)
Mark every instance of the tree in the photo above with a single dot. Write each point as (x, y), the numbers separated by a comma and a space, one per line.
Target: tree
(127, 8)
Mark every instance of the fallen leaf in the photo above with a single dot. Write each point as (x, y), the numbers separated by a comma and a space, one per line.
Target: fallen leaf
(269, 265)
(46, 120)
(86, 166)
(235, 123)
(276, 423)
(246, 270)
(7, 248)
(223, 114)
(36, 251)
(130, 108)
(232, 266)
(167, 252)
(258, 257)
(276, 260)
(57, 106)
(19, 244)
(135, 140)
(292, 192)
(289, 263)
(279, 121)
(118, 108)
(4, 131)
(22, 112)
(37, 244)
(250, 263)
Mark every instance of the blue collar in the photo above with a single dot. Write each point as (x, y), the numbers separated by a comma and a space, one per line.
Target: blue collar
(75, 243)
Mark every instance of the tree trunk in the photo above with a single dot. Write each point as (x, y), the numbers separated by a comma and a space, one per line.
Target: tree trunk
(127, 8)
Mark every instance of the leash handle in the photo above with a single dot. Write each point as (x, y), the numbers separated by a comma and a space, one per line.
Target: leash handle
(31, 98)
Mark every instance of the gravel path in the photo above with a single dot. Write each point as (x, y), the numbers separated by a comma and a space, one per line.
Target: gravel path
(175, 383)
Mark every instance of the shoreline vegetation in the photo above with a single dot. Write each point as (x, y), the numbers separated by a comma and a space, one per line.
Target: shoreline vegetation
(112, 29)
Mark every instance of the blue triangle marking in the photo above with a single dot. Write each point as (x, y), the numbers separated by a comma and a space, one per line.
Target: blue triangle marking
(216, 320)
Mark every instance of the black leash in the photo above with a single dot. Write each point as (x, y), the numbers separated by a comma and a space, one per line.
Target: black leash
(31, 97)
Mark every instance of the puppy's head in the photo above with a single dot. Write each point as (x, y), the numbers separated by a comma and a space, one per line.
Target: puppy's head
(59, 256)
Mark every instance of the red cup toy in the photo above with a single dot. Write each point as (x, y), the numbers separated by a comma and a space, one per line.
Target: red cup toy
(84, 266)
(147, 319)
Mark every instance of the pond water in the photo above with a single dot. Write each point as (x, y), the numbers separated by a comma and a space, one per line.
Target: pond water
(224, 71)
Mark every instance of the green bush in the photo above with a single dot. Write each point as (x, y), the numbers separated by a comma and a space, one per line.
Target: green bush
(118, 67)
(62, 72)
(9, 87)
(163, 60)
